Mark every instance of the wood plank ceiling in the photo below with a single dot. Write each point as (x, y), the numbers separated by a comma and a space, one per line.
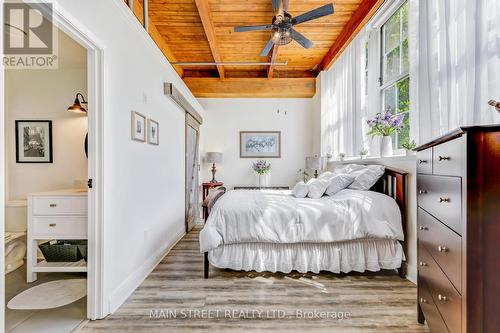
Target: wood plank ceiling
(203, 31)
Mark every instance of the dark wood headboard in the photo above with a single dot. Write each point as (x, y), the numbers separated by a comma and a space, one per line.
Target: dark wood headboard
(394, 184)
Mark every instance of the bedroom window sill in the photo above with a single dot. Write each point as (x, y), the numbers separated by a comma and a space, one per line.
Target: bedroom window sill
(374, 159)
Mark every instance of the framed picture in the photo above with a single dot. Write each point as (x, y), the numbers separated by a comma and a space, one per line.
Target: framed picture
(153, 132)
(33, 141)
(138, 127)
(260, 144)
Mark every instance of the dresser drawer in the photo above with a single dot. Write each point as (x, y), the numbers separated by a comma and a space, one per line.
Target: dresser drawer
(445, 296)
(60, 206)
(53, 226)
(424, 161)
(442, 197)
(443, 244)
(448, 158)
(431, 313)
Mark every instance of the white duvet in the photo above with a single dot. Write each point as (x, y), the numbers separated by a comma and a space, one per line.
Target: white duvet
(279, 217)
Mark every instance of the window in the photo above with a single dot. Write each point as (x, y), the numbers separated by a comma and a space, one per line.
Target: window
(366, 67)
(395, 79)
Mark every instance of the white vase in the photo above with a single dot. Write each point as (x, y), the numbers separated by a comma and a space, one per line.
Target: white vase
(386, 146)
(264, 179)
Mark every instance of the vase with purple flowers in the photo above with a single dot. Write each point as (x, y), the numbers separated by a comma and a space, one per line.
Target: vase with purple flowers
(385, 125)
(262, 168)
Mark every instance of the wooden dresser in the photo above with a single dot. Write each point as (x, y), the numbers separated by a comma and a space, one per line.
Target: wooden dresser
(458, 231)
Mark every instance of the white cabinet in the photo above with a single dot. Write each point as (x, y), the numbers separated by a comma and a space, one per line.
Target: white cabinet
(55, 215)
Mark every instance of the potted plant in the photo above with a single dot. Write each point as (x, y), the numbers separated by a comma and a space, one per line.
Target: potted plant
(363, 153)
(385, 125)
(341, 156)
(409, 146)
(262, 168)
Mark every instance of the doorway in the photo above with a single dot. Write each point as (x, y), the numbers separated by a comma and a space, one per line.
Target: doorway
(192, 172)
(95, 307)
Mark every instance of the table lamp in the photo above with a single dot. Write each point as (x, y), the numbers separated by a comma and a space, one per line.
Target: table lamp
(314, 163)
(213, 157)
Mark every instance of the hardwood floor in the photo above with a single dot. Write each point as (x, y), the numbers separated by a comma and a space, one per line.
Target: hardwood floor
(380, 302)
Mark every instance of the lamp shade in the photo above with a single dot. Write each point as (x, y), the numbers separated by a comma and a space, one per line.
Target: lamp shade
(213, 157)
(77, 105)
(314, 162)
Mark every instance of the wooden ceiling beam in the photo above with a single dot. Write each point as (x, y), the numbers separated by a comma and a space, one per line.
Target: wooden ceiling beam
(155, 35)
(362, 14)
(206, 20)
(270, 70)
(252, 87)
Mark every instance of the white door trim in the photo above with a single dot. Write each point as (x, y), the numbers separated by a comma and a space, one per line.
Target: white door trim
(97, 306)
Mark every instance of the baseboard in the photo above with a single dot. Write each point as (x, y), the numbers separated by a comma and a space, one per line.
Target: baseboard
(127, 287)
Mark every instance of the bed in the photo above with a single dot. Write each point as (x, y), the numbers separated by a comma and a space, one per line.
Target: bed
(270, 230)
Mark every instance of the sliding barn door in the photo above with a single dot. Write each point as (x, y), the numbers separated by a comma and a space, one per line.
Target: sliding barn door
(192, 171)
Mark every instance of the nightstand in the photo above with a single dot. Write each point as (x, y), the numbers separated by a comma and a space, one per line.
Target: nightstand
(207, 186)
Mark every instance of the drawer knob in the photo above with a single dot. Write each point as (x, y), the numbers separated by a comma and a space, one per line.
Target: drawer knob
(422, 191)
(422, 263)
(444, 199)
(444, 158)
(423, 228)
(442, 248)
(423, 300)
(52, 224)
(442, 298)
(422, 161)
(52, 205)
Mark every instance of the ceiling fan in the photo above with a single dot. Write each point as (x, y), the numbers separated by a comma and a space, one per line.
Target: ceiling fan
(282, 25)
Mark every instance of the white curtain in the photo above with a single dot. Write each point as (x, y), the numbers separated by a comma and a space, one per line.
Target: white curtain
(455, 67)
(341, 107)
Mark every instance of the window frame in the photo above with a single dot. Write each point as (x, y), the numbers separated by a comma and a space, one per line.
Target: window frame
(398, 78)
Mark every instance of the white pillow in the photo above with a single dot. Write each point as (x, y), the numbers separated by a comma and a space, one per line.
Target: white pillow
(350, 169)
(317, 187)
(300, 190)
(338, 183)
(367, 178)
(326, 175)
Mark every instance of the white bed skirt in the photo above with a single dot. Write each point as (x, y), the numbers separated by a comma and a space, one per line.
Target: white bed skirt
(360, 255)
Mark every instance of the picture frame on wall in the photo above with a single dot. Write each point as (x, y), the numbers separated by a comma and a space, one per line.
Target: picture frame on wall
(153, 132)
(260, 144)
(138, 127)
(34, 141)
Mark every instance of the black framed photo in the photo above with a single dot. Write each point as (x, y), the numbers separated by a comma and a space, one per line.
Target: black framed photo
(33, 141)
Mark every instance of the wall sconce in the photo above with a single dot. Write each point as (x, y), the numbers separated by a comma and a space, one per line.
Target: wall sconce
(77, 105)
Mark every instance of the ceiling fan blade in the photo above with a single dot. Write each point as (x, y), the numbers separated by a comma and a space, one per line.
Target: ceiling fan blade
(276, 5)
(267, 48)
(253, 28)
(301, 39)
(285, 5)
(314, 14)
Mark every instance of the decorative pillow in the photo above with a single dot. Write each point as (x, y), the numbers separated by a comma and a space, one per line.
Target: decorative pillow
(338, 183)
(326, 175)
(350, 169)
(317, 187)
(300, 190)
(368, 177)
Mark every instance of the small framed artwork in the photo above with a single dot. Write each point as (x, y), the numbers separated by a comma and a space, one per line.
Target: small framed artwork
(138, 127)
(33, 141)
(153, 132)
(260, 144)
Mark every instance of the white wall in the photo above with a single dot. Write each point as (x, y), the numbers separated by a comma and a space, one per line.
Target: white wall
(143, 184)
(45, 95)
(225, 118)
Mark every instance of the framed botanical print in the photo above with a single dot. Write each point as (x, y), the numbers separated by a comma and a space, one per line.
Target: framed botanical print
(138, 127)
(258, 144)
(153, 132)
(33, 141)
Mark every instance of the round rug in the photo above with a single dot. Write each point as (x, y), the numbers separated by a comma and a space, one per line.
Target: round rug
(49, 295)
